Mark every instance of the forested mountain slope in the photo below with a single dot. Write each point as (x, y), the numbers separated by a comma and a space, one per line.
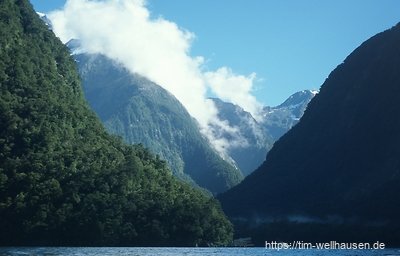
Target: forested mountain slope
(63, 179)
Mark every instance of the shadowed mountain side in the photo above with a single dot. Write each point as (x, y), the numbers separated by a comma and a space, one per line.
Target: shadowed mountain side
(341, 162)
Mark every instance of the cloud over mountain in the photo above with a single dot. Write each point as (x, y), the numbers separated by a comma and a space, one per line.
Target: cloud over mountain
(159, 50)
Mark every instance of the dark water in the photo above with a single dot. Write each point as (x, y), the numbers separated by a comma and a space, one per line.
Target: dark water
(63, 251)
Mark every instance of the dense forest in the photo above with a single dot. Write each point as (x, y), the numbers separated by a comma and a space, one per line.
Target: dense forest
(337, 172)
(63, 179)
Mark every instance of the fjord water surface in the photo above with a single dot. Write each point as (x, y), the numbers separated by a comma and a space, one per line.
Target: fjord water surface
(135, 251)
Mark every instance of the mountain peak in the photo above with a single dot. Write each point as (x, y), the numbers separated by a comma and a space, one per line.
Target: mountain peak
(278, 120)
(298, 98)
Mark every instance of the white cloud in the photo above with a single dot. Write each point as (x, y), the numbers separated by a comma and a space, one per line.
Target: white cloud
(159, 50)
(235, 89)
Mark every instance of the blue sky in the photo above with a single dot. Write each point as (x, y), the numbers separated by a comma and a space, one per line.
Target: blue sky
(290, 45)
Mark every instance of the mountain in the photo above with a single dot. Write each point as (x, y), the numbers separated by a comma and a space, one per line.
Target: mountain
(336, 174)
(280, 119)
(257, 138)
(252, 140)
(63, 179)
(141, 111)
